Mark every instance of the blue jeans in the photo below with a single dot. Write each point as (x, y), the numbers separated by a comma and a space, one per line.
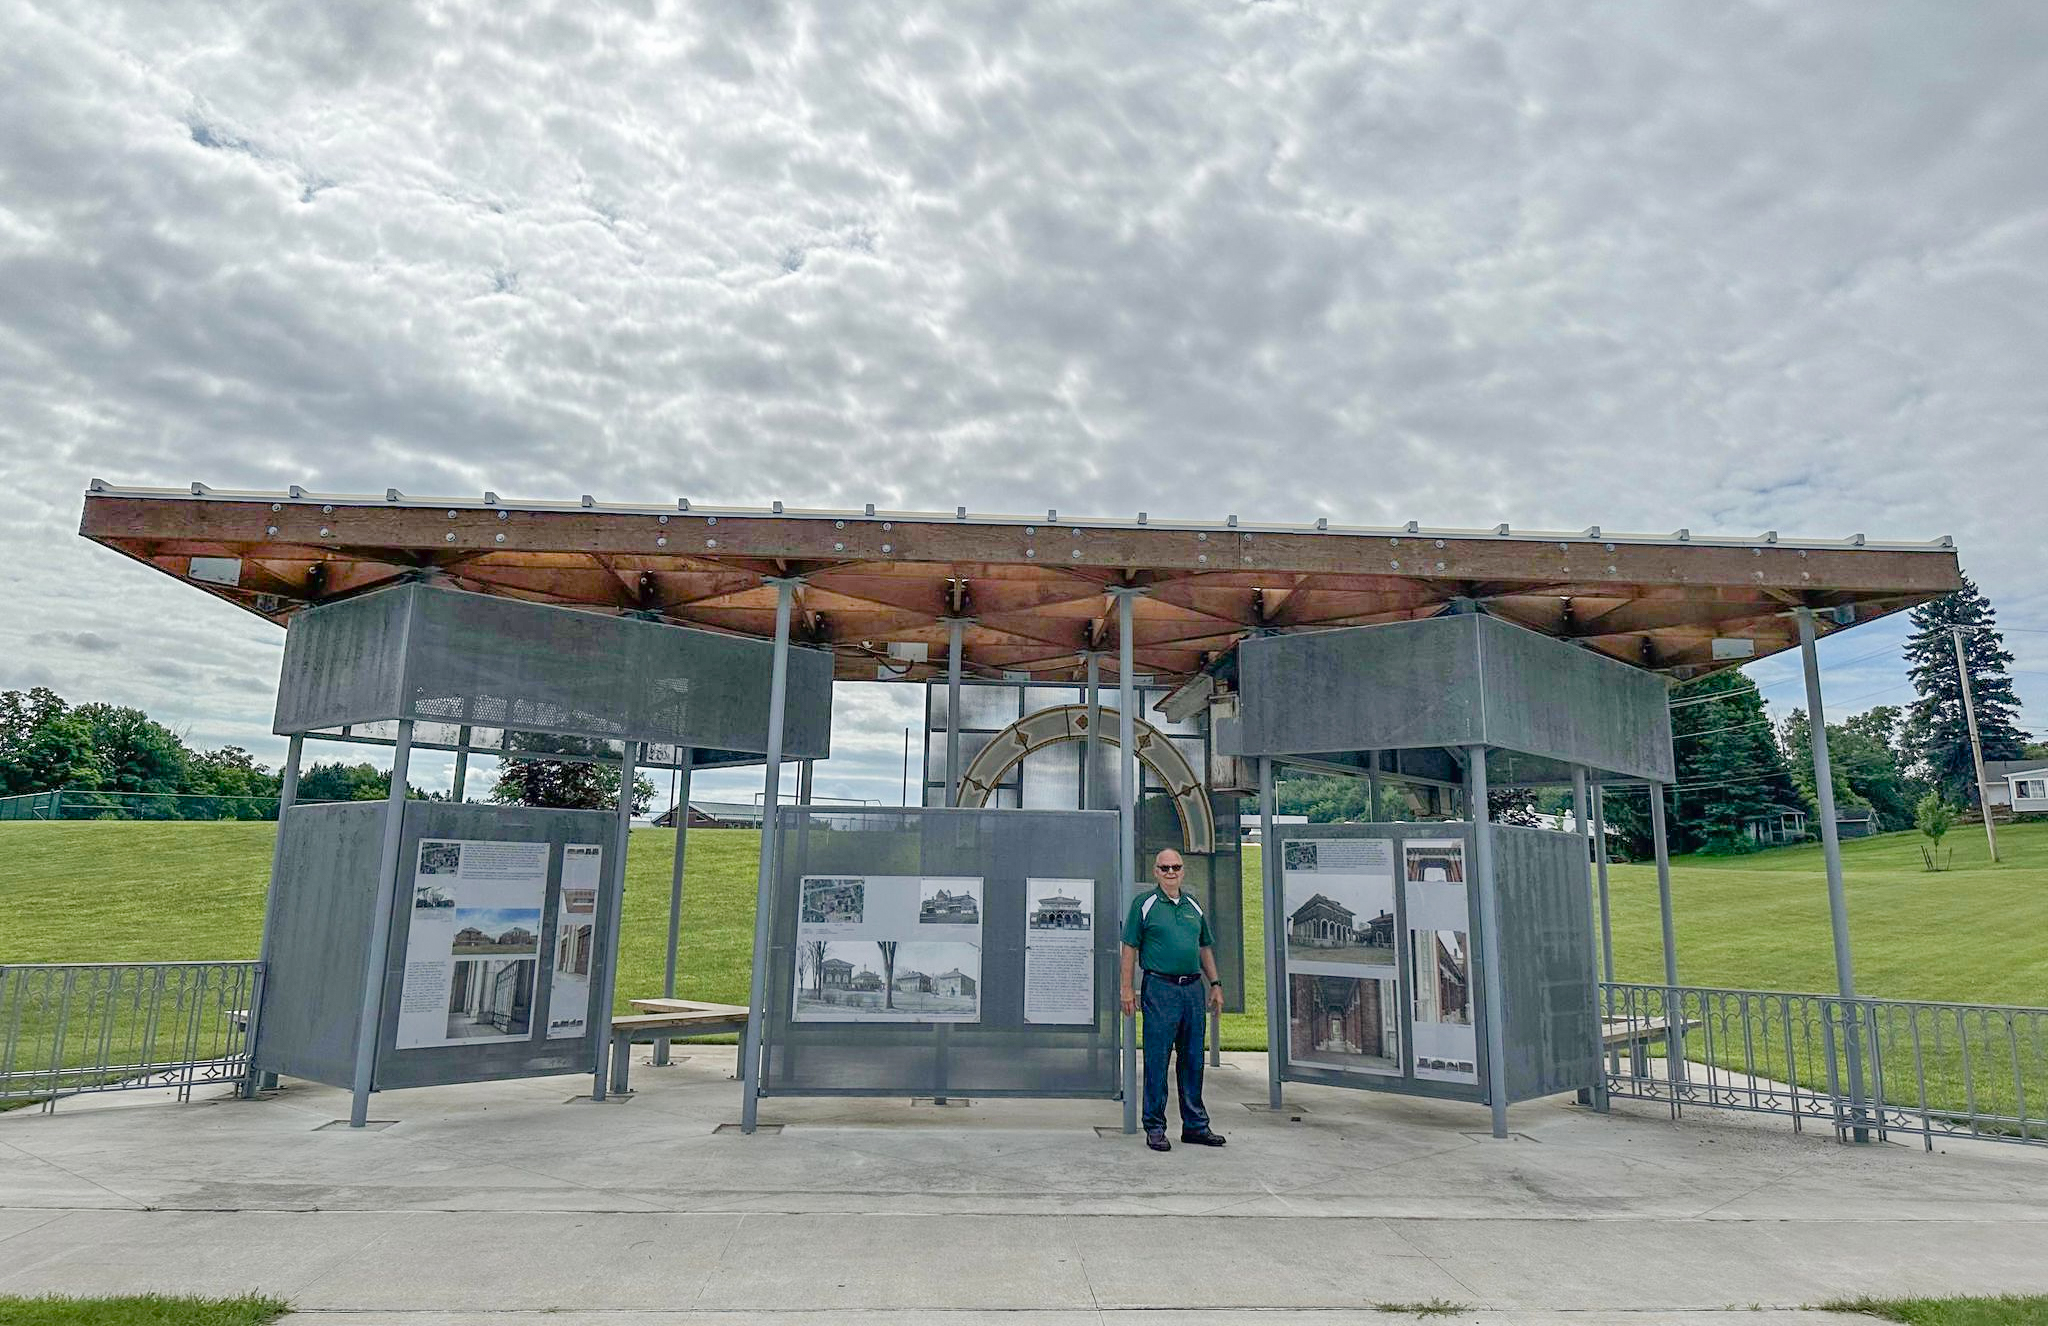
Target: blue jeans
(1175, 1018)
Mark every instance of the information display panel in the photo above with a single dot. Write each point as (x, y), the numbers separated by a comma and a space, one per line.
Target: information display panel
(936, 952)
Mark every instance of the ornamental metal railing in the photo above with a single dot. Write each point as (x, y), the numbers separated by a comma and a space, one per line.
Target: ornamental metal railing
(67, 1028)
(1886, 1068)
(77, 803)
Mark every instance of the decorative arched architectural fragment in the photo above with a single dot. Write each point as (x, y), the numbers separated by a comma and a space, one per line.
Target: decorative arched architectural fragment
(1069, 722)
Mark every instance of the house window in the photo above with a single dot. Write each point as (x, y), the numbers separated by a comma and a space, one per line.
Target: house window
(2031, 789)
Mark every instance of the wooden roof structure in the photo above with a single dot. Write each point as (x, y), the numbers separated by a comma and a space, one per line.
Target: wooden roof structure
(1034, 594)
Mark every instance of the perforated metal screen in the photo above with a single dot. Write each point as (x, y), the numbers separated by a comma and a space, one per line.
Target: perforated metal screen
(999, 1052)
(450, 658)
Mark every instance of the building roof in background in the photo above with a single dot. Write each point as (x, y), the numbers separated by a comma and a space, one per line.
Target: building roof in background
(880, 587)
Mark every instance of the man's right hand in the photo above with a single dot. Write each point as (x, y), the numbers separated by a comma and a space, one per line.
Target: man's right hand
(1130, 1002)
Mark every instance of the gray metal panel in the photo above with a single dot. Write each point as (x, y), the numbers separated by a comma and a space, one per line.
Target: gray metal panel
(1545, 697)
(497, 663)
(1000, 1054)
(489, 1060)
(1549, 979)
(1450, 681)
(320, 902)
(1363, 688)
(321, 899)
(1405, 1083)
(343, 663)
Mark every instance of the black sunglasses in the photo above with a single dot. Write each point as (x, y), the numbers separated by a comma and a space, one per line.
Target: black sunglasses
(1169, 870)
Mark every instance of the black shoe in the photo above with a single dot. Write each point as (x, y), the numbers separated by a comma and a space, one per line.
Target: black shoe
(1203, 1138)
(1157, 1141)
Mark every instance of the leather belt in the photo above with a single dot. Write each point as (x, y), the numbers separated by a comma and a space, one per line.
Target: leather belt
(1174, 980)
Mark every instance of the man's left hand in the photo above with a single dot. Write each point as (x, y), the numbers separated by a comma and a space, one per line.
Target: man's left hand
(1216, 999)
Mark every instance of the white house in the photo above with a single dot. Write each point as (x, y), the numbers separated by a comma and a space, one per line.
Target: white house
(2017, 785)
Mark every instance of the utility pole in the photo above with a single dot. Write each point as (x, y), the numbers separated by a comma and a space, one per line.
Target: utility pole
(1955, 635)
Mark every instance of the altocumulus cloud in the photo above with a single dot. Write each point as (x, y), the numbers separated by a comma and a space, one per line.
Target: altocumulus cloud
(1739, 266)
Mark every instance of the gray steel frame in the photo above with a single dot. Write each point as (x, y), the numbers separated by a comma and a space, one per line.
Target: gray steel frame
(76, 1027)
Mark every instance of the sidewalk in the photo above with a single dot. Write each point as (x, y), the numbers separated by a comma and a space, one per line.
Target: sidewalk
(514, 1198)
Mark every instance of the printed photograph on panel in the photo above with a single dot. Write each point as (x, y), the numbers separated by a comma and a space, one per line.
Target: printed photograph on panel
(1434, 863)
(491, 999)
(482, 931)
(431, 897)
(1339, 900)
(833, 901)
(887, 981)
(1443, 984)
(1059, 906)
(1347, 1022)
(949, 902)
(440, 858)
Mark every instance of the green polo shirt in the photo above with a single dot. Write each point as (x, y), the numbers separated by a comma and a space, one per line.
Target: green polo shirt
(1169, 936)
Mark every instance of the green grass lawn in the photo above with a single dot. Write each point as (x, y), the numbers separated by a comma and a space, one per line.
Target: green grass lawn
(112, 891)
(139, 1310)
(2002, 1310)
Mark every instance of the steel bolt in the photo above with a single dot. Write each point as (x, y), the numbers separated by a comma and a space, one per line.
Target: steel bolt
(504, 515)
(888, 547)
(325, 532)
(711, 543)
(661, 541)
(449, 536)
(501, 538)
(270, 529)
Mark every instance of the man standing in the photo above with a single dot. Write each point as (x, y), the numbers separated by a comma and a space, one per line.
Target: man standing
(1167, 935)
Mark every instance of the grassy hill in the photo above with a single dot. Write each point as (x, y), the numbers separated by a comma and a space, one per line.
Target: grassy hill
(116, 891)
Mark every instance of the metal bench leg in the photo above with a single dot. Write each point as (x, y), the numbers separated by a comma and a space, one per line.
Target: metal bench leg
(622, 1059)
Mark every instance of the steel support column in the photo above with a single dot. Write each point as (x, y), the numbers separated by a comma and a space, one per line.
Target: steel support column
(608, 989)
(1595, 1095)
(956, 628)
(1674, 1012)
(1489, 964)
(1606, 917)
(1831, 854)
(1089, 793)
(1269, 897)
(1127, 824)
(683, 756)
(287, 792)
(461, 763)
(370, 1018)
(757, 1004)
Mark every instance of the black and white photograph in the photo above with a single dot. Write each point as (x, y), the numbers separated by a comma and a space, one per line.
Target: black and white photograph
(481, 931)
(1061, 906)
(491, 998)
(949, 902)
(887, 981)
(431, 898)
(1298, 855)
(833, 901)
(440, 858)
(1347, 1022)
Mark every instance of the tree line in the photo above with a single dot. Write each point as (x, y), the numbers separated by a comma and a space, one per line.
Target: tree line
(107, 759)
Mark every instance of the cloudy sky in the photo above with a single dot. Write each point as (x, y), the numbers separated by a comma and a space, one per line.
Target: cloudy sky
(1736, 266)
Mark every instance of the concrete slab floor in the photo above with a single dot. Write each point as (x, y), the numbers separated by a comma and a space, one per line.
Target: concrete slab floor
(487, 1203)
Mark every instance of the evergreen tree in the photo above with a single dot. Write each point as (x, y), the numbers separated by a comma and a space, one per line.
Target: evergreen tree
(1729, 770)
(1937, 734)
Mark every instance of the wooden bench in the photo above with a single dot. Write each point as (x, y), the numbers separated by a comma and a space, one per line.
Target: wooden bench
(663, 1020)
(1637, 1036)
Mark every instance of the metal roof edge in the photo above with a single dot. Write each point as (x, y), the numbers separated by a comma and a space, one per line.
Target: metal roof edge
(297, 496)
